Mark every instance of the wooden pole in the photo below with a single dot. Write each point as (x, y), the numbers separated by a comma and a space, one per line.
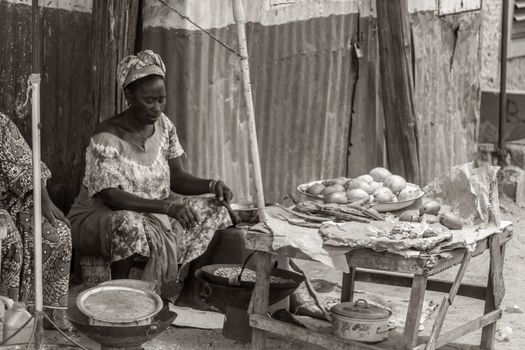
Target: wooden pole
(37, 190)
(397, 87)
(240, 20)
(503, 83)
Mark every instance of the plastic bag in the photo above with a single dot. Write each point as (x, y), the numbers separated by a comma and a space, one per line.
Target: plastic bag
(470, 192)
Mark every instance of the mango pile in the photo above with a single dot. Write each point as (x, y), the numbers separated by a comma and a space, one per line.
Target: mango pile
(378, 186)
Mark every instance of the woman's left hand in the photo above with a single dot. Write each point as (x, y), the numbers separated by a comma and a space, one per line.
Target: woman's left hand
(223, 192)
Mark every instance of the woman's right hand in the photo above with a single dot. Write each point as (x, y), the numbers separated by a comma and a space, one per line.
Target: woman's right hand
(183, 213)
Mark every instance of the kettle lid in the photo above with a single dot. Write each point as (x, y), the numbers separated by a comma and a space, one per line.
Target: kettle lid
(361, 309)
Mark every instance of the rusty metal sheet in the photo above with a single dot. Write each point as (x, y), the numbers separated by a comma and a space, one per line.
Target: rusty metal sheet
(368, 134)
(302, 78)
(514, 128)
(447, 89)
(516, 73)
(66, 106)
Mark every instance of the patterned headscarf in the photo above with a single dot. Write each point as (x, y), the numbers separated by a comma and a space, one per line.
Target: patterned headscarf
(133, 67)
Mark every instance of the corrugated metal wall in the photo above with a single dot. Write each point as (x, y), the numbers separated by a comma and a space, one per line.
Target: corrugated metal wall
(302, 74)
(447, 89)
(66, 79)
(516, 74)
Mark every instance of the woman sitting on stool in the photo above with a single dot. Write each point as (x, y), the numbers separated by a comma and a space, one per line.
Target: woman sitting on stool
(125, 208)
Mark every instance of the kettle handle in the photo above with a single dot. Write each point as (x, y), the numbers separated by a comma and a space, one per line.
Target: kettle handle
(8, 302)
(363, 301)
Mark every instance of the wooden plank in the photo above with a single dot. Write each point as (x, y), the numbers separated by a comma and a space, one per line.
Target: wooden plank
(259, 241)
(260, 297)
(288, 331)
(496, 265)
(415, 305)
(446, 302)
(366, 144)
(384, 261)
(457, 254)
(402, 280)
(468, 327)
(397, 88)
(488, 334)
(348, 284)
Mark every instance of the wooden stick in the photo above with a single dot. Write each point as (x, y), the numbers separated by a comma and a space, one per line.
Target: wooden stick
(312, 291)
(468, 327)
(447, 301)
(240, 20)
(289, 331)
(415, 306)
(260, 297)
(304, 216)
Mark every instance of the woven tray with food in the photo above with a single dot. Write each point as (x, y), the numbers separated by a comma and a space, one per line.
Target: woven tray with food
(379, 189)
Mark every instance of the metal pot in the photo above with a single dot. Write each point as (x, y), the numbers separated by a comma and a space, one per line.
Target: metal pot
(361, 321)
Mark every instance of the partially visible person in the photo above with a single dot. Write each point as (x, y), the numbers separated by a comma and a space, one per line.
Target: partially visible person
(127, 209)
(16, 204)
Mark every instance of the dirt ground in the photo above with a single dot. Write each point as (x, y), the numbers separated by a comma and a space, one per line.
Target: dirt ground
(463, 309)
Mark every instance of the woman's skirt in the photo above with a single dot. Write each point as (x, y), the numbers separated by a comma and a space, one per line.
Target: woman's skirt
(17, 261)
(120, 234)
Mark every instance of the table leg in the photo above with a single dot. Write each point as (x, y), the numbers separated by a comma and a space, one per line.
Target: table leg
(497, 258)
(260, 297)
(347, 290)
(446, 302)
(415, 306)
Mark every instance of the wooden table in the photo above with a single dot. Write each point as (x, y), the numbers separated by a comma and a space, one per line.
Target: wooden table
(393, 269)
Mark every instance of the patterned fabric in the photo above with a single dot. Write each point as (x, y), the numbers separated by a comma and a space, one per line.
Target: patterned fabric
(16, 167)
(16, 176)
(131, 233)
(192, 243)
(133, 68)
(11, 264)
(114, 163)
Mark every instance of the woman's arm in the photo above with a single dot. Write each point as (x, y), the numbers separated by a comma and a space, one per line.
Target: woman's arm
(185, 183)
(117, 199)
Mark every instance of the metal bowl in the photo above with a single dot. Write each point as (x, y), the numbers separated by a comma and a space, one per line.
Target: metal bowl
(247, 212)
(221, 296)
(138, 306)
(129, 337)
(293, 279)
(380, 207)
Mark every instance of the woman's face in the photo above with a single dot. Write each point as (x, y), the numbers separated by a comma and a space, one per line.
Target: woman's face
(147, 99)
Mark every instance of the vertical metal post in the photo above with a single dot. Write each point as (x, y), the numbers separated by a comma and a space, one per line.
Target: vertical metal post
(503, 83)
(37, 190)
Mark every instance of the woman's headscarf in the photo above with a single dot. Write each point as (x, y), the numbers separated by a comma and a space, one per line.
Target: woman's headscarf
(133, 67)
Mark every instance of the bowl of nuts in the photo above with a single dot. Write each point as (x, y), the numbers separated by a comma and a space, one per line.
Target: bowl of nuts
(226, 273)
(218, 290)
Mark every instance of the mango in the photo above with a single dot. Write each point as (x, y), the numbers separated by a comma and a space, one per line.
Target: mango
(451, 221)
(335, 197)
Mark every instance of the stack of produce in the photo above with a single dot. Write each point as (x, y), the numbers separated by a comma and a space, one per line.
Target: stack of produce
(378, 186)
(432, 213)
